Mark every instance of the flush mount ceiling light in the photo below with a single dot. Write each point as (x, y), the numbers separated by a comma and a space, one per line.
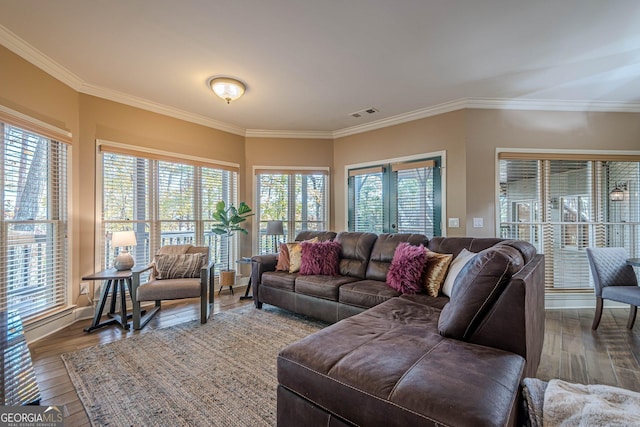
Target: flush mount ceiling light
(227, 88)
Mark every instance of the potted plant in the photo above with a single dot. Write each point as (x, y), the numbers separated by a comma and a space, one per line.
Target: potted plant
(229, 220)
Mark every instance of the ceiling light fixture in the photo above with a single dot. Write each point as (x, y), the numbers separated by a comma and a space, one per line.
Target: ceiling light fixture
(227, 88)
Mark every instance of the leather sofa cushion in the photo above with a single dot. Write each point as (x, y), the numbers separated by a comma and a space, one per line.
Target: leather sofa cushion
(355, 251)
(454, 245)
(279, 279)
(325, 287)
(438, 302)
(388, 365)
(477, 288)
(321, 235)
(365, 293)
(384, 249)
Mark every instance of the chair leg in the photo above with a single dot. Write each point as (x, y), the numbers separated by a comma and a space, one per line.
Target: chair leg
(598, 315)
(632, 316)
(136, 314)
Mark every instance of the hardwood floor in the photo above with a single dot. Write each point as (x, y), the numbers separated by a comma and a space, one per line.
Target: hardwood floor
(610, 355)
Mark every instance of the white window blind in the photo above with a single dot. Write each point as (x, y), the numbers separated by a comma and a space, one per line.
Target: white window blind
(165, 202)
(399, 197)
(298, 198)
(564, 205)
(33, 249)
(415, 197)
(367, 199)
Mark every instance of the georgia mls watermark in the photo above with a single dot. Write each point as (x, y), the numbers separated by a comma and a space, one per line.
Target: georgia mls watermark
(31, 416)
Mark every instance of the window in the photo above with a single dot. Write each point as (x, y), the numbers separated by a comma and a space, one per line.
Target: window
(166, 201)
(296, 197)
(402, 197)
(562, 205)
(33, 248)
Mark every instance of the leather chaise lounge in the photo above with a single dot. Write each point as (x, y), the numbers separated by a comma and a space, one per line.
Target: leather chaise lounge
(408, 360)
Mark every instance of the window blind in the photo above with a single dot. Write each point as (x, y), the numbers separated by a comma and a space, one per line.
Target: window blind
(402, 197)
(298, 198)
(164, 202)
(33, 262)
(366, 193)
(563, 206)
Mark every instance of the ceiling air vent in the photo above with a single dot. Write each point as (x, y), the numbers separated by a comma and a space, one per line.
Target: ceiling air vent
(364, 112)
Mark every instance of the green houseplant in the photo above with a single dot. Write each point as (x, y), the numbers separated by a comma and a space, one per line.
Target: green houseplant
(229, 219)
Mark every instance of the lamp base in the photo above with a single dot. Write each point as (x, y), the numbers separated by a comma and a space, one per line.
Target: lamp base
(124, 261)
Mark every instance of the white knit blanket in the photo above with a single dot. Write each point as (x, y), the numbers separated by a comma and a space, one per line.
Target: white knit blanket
(567, 404)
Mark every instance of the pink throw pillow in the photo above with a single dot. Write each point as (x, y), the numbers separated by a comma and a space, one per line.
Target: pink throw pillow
(320, 258)
(405, 271)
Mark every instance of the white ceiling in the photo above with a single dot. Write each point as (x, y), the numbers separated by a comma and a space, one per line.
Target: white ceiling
(309, 64)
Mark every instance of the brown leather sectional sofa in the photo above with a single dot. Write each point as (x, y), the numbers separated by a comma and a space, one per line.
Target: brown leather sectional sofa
(408, 360)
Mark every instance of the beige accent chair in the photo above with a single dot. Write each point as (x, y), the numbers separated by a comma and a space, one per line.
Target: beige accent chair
(156, 289)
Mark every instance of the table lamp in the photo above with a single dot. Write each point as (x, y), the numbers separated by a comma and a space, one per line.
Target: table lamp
(274, 228)
(123, 239)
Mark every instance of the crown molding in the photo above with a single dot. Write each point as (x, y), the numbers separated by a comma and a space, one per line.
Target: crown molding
(552, 105)
(402, 118)
(302, 134)
(23, 49)
(155, 107)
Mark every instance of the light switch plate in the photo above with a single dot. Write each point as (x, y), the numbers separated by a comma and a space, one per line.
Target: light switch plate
(478, 222)
(454, 222)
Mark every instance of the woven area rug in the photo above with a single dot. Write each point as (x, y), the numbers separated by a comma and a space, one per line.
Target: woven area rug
(222, 373)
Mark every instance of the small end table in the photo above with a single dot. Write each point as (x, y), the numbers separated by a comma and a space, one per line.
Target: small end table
(114, 279)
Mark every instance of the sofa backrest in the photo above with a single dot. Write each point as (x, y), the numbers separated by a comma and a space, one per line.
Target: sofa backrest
(310, 234)
(479, 285)
(383, 250)
(354, 253)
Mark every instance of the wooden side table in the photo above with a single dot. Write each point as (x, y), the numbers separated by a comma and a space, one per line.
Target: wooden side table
(114, 280)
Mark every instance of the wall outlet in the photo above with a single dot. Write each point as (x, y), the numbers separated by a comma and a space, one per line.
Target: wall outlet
(478, 222)
(454, 222)
(84, 288)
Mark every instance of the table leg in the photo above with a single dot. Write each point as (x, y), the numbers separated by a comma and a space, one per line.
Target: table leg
(123, 306)
(246, 293)
(103, 300)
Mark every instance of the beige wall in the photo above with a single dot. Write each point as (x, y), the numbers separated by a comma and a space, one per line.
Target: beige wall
(445, 132)
(31, 91)
(285, 152)
(112, 121)
(469, 138)
(487, 130)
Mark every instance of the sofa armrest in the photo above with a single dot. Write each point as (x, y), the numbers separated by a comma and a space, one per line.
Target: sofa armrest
(516, 321)
(259, 265)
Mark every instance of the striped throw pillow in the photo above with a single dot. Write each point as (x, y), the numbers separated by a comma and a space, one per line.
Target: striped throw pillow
(179, 266)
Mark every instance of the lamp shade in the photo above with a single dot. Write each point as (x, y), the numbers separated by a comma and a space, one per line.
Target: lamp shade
(123, 238)
(227, 88)
(274, 228)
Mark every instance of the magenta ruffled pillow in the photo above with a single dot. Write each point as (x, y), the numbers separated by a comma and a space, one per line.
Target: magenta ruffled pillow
(405, 271)
(320, 258)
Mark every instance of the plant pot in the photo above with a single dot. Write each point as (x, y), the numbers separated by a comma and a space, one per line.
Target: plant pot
(227, 277)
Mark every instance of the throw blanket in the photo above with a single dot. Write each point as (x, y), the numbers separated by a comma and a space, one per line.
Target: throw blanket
(567, 404)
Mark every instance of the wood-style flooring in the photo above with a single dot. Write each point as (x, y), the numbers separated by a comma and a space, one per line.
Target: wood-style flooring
(610, 355)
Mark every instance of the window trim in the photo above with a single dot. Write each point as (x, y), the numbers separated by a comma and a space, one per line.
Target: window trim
(550, 154)
(14, 118)
(151, 154)
(256, 169)
(397, 160)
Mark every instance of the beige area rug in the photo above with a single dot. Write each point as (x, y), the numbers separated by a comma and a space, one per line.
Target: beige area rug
(222, 373)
